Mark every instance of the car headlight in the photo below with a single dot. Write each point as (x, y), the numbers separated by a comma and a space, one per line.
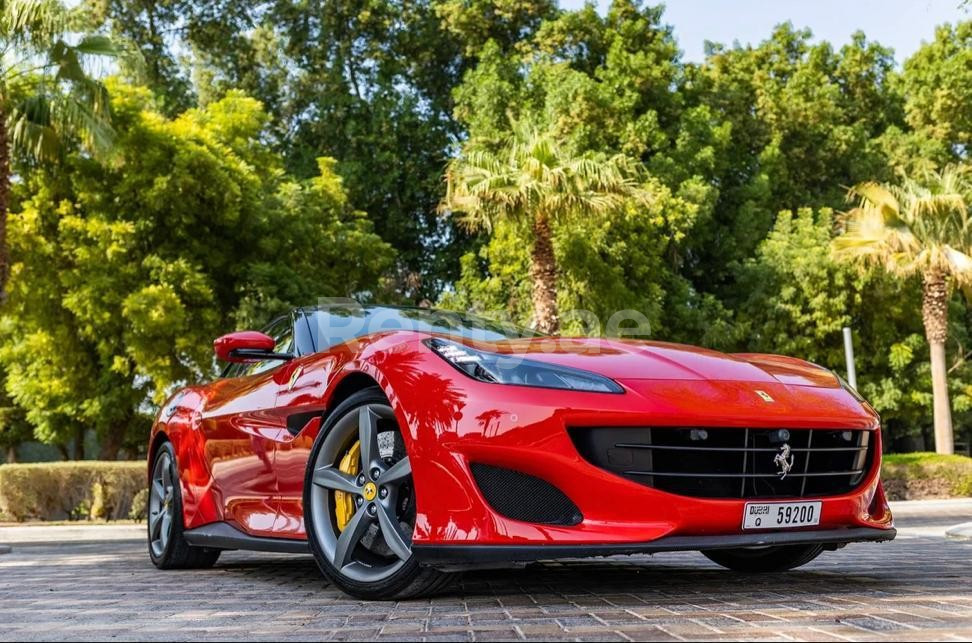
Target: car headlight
(516, 371)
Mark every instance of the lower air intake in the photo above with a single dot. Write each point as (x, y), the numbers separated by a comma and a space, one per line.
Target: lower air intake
(524, 497)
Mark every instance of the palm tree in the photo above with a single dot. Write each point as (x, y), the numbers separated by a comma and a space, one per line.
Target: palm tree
(924, 229)
(532, 179)
(46, 92)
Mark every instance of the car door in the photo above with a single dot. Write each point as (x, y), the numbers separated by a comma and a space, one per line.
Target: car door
(241, 427)
(299, 401)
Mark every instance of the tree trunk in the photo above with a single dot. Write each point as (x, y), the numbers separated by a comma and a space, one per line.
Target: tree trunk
(934, 311)
(79, 444)
(11, 455)
(4, 205)
(543, 271)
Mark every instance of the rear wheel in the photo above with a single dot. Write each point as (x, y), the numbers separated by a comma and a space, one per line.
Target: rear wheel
(167, 546)
(359, 504)
(764, 559)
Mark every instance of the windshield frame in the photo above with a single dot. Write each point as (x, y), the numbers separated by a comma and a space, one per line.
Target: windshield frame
(365, 320)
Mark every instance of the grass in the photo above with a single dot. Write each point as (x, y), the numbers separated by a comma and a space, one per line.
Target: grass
(912, 476)
(926, 458)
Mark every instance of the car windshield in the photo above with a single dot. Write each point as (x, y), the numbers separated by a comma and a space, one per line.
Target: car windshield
(331, 325)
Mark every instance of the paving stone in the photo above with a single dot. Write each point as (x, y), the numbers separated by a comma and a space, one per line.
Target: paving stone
(916, 588)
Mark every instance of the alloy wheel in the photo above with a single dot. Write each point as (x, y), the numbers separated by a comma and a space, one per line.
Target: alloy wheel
(375, 541)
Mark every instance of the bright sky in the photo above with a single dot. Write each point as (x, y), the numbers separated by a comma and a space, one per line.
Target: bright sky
(899, 24)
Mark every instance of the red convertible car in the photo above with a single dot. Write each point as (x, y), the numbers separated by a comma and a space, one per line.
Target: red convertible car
(399, 445)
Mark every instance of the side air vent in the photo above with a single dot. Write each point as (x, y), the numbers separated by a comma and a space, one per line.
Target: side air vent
(524, 497)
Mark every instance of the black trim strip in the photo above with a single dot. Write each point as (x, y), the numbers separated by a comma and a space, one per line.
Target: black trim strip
(820, 474)
(626, 445)
(260, 354)
(221, 535)
(475, 554)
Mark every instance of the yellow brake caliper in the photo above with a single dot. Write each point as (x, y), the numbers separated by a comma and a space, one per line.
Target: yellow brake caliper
(344, 502)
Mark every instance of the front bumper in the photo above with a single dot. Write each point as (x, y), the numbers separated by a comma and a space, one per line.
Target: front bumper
(479, 555)
(452, 421)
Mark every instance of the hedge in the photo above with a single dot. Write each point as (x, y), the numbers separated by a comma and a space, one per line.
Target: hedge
(73, 491)
(913, 476)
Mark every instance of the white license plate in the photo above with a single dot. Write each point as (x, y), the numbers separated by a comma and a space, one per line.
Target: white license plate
(780, 515)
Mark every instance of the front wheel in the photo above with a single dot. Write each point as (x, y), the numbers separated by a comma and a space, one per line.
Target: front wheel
(359, 504)
(764, 559)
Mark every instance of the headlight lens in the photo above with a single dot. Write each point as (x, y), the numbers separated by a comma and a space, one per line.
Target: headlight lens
(514, 370)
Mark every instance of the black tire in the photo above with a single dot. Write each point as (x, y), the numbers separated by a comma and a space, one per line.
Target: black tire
(405, 577)
(764, 559)
(172, 552)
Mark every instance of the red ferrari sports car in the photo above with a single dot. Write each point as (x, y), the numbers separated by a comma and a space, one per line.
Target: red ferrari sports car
(399, 445)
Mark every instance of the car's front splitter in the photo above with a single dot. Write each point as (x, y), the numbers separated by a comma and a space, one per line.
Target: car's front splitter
(459, 556)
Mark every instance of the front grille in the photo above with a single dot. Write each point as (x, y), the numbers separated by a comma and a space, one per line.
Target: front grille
(524, 497)
(707, 462)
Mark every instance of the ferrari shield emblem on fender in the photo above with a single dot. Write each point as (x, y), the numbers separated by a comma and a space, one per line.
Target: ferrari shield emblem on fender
(766, 396)
(784, 460)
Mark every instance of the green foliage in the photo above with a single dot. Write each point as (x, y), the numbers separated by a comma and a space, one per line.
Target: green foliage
(366, 82)
(937, 84)
(214, 211)
(46, 91)
(792, 283)
(803, 120)
(474, 23)
(921, 227)
(534, 179)
(800, 298)
(603, 261)
(125, 270)
(785, 124)
(14, 427)
(332, 250)
(614, 97)
(71, 490)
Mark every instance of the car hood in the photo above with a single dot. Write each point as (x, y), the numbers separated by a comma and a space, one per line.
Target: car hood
(644, 360)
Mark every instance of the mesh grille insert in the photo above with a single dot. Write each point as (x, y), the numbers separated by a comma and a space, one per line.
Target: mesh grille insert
(524, 497)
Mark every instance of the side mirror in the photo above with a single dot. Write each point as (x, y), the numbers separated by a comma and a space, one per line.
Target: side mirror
(246, 346)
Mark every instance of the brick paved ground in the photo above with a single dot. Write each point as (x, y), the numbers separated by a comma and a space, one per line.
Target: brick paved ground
(916, 588)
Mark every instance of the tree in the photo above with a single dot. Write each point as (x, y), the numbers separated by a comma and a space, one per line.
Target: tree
(804, 122)
(367, 82)
(798, 299)
(937, 85)
(127, 268)
(921, 229)
(936, 88)
(533, 179)
(46, 92)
